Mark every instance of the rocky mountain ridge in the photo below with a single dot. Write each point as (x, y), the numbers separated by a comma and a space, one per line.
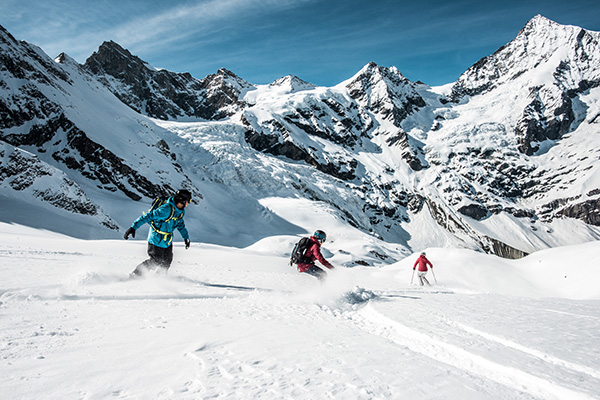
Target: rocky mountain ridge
(163, 94)
(568, 53)
(501, 162)
(52, 110)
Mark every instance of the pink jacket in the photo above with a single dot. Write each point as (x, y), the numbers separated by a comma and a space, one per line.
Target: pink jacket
(423, 262)
(313, 253)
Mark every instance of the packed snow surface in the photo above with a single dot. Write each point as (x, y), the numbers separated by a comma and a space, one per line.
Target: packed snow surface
(237, 323)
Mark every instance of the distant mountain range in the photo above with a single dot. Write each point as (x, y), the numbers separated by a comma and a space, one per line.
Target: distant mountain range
(505, 160)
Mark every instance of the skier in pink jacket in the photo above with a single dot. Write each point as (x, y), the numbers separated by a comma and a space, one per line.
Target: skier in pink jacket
(313, 252)
(423, 263)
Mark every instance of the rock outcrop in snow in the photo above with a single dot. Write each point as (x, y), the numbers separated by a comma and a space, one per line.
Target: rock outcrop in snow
(164, 94)
(31, 180)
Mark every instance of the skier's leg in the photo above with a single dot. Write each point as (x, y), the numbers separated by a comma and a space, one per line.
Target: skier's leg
(164, 258)
(142, 268)
(426, 281)
(150, 263)
(316, 272)
(421, 277)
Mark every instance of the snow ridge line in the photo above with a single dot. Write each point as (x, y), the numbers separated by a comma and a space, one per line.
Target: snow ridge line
(541, 355)
(370, 320)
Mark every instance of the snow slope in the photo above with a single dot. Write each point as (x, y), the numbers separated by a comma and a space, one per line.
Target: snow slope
(235, 323)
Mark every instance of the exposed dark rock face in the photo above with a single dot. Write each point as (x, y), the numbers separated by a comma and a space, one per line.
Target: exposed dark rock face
(503, 250)
(386, 92)
(283, 146)
(35, 65)
(474, 211)
(587, 211)
(20, 61)
(486, 243)
(412, 154)
(537, 126)
(32, 118)
(23, 172)
(84, 155)
(163, 94)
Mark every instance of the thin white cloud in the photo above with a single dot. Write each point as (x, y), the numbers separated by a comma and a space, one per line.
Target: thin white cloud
(78, 30)
(183, 21)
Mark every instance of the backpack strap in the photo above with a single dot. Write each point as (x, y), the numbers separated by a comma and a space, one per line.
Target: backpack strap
(167, 236)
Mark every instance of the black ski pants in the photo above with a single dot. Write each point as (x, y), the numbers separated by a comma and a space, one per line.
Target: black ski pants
(316, 272)
(160, 257)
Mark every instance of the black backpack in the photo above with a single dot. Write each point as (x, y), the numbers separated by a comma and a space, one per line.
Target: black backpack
(157, 202)
(299, 251)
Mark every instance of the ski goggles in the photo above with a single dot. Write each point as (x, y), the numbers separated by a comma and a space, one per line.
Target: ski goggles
(320, 237)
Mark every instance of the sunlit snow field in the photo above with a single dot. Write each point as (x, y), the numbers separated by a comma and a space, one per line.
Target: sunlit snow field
(242, 324)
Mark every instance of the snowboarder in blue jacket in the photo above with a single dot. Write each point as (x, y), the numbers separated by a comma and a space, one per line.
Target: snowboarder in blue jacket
(163, 221)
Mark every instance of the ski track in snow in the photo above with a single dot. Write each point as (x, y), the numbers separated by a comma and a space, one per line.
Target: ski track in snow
(370, 320)
(541, 355)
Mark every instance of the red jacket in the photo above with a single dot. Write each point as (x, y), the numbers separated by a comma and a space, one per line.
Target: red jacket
(423, 263)
(313, 252)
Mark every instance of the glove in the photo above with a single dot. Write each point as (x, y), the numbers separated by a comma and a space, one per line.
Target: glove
(128, 232)
(187, 243)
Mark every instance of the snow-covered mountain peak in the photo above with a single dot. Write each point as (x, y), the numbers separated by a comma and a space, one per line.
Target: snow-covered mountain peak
(64, 58)
(539, 23)
(372, 75)
(545, 67)
(112, 58)
(226, 75)
(223, 79)
(544, 40)
(543, 49)
(164, 94)
(291, 84)
(384, 91)
(5, 36)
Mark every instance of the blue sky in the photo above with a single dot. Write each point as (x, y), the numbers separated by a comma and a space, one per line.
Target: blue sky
(320, 41)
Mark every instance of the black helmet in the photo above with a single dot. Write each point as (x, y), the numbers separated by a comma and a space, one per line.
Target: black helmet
(183, 196)
(321, 236)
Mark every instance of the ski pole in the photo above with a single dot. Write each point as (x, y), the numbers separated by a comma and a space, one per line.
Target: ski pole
(413, 275)
(434, 276)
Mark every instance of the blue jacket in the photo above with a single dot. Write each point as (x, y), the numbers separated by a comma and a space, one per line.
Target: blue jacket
(163, 222)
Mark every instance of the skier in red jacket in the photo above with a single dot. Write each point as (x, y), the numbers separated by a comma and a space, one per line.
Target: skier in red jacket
(313, 252)
(423, 262)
